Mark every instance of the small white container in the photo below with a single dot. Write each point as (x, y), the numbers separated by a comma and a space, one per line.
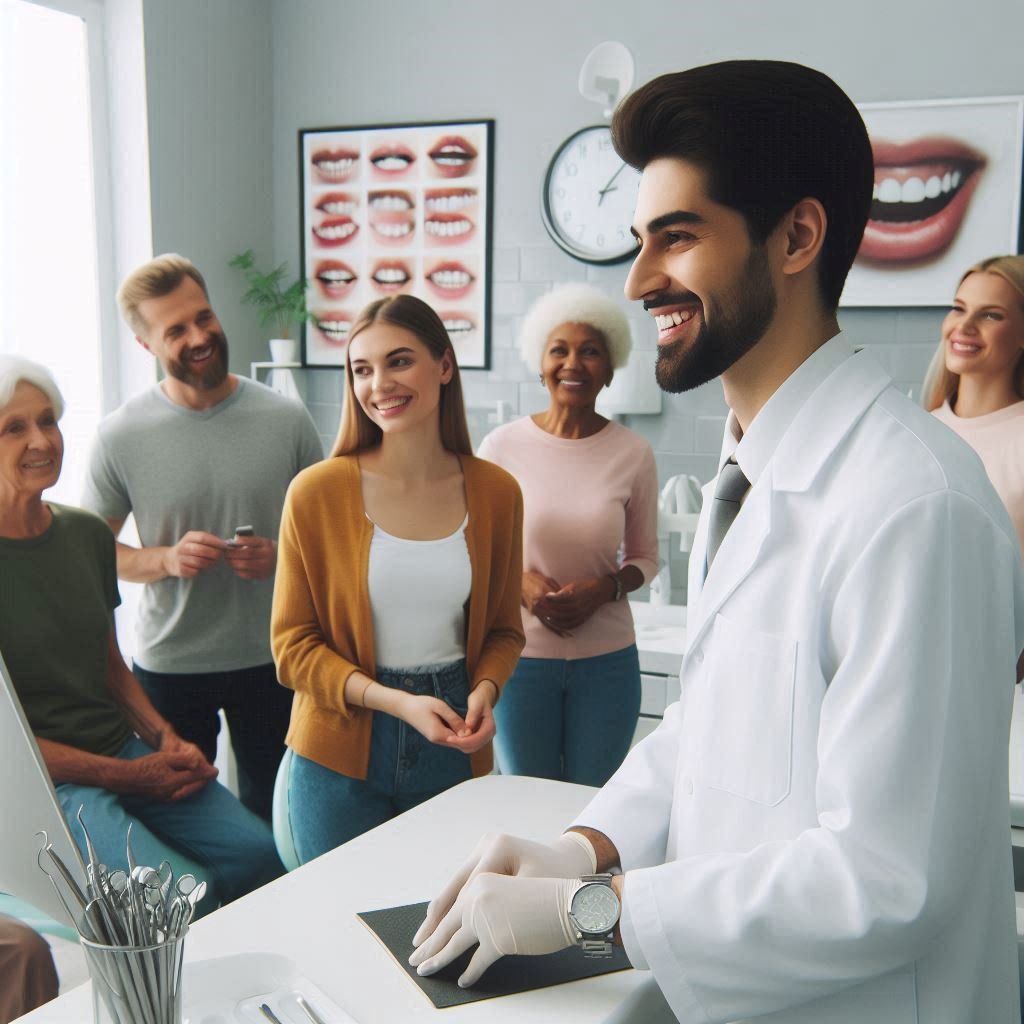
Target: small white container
(284, 350)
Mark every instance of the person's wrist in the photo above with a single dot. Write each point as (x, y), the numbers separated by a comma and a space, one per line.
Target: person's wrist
(577, 853)
(490, 687)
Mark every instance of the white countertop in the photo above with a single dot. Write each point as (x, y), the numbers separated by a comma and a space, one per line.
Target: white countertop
(660, 636)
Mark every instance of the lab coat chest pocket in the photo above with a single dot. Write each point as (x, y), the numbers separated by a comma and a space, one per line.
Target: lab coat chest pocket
(747, 738)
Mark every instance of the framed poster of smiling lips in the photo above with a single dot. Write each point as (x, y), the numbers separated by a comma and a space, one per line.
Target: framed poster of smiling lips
(397, 208)
(947, 193)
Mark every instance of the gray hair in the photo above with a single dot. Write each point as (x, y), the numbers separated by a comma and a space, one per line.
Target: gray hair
(15, 369)
(575, 304)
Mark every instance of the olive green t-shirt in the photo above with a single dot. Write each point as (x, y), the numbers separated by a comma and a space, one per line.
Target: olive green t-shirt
(57, 595)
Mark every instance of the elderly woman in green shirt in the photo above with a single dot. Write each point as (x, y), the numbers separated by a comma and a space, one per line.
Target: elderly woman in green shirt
(107, 749)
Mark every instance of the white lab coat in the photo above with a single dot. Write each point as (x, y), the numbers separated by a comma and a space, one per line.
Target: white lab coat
(819, 830)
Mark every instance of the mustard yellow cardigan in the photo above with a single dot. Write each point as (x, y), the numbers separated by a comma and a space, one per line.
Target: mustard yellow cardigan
(321, 628)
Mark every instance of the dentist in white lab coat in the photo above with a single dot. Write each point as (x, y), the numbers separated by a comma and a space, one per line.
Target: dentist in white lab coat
(819, 830)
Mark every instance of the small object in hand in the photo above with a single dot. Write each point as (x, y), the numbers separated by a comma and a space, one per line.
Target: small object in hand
(241, 531)
(269, 1014)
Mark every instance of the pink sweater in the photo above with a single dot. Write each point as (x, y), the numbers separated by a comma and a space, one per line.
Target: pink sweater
(583, 501)
(998, 438)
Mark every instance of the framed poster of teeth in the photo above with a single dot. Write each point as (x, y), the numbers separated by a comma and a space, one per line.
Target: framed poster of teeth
(947, 193)
(400, 208)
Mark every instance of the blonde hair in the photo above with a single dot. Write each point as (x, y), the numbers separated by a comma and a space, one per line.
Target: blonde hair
(15, 370)
(357, 431)
(939, 383)
(160, 276)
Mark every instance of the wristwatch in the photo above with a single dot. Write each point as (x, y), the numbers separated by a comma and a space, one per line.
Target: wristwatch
(617, 580)
(593, 912)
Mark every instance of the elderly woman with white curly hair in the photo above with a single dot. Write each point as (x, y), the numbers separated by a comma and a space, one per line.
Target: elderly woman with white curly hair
(590, 491)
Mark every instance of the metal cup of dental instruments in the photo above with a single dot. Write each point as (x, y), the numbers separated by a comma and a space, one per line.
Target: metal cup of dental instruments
(132, 925)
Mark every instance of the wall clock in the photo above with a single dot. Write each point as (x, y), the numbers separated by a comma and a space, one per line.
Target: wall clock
(589, 197)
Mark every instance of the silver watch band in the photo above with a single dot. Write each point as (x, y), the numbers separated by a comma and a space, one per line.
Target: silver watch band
(594, 946)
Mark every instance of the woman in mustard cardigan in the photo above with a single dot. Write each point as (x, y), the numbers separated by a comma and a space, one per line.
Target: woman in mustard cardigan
(396, 615)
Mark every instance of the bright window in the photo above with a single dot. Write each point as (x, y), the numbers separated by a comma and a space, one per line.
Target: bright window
(49, 295)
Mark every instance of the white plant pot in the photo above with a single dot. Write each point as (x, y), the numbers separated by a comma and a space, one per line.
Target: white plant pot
(284, 350)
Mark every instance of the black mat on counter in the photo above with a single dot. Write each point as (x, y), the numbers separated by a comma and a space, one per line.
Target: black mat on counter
(396, 926)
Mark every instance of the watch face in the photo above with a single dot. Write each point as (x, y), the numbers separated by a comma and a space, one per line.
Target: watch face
(589, 198)
(595, 909)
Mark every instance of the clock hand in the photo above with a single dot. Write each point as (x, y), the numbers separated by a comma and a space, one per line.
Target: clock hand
(608, 185)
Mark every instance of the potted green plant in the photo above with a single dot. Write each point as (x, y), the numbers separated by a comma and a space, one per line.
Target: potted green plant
(280, 304)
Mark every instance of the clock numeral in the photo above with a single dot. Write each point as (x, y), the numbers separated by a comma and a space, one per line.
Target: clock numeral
(600, 240)
(571, 170)
(604, 143)
(567, 216)
(580, 230)
(560, 192)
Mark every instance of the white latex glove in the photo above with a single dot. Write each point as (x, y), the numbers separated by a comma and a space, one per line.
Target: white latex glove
(570, 856)
(522, 916)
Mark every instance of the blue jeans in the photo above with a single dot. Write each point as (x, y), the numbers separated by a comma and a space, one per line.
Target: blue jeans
(209, 834)
(569, 720)
(256, 706)
(327, 808)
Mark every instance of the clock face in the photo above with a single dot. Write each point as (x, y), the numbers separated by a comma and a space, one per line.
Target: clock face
(589, 198)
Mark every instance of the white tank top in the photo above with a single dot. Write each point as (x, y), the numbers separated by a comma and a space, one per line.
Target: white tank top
(418, 592)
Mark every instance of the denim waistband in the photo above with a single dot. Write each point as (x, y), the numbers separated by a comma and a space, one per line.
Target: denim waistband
(449, 668)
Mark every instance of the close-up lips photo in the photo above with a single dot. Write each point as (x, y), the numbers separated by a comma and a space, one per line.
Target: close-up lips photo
(391, 276)
(335, 165)
(333, 326)
(392, 216)
(452, 156)
(332, 231)
(450, 279)
(922, 193)
(448, 228)
(334, 279)
(337, 204)
(458, 324)
(392, 161)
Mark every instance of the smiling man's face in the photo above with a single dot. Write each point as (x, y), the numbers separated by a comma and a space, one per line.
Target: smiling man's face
(697, 272)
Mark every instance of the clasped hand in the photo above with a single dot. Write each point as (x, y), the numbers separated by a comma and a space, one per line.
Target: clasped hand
(175, 771)
(563, 609)
(442, 724)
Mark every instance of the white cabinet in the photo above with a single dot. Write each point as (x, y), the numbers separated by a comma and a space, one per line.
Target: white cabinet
(661, 641)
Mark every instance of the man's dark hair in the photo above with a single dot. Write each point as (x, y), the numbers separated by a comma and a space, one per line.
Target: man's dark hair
(766, 134)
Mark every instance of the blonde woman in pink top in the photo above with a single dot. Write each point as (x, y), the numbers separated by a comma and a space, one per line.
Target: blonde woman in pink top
(590, 491)
(975, 383)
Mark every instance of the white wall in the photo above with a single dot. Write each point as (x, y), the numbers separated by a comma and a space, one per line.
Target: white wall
(208, 92)
(375, 61)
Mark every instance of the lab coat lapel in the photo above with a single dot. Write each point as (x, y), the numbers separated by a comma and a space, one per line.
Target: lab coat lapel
(738, 554)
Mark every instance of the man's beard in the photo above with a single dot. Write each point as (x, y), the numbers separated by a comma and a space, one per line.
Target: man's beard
(215, 372)
(740, 323)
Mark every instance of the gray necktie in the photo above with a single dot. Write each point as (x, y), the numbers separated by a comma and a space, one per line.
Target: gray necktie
(725, 505)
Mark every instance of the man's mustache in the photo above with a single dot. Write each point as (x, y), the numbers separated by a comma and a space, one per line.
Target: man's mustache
(672, 299)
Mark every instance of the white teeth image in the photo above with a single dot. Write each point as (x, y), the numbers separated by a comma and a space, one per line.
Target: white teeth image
(874, 191)
(450, 278)
(947, 181)
(390, 275)
(912, 190)
(447, 228)
(390, 203)
(392, 163)
(335, 276)
(336, 330)
(391, 403)
(932, 187)
(334, 168)
(889, 191)
(392, 230)
(458, 325)
(333, 231)
(339, 209)
(449, 204)
(956, 179)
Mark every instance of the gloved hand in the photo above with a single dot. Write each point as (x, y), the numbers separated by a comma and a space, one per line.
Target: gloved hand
(524, 916)
(570, 856)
